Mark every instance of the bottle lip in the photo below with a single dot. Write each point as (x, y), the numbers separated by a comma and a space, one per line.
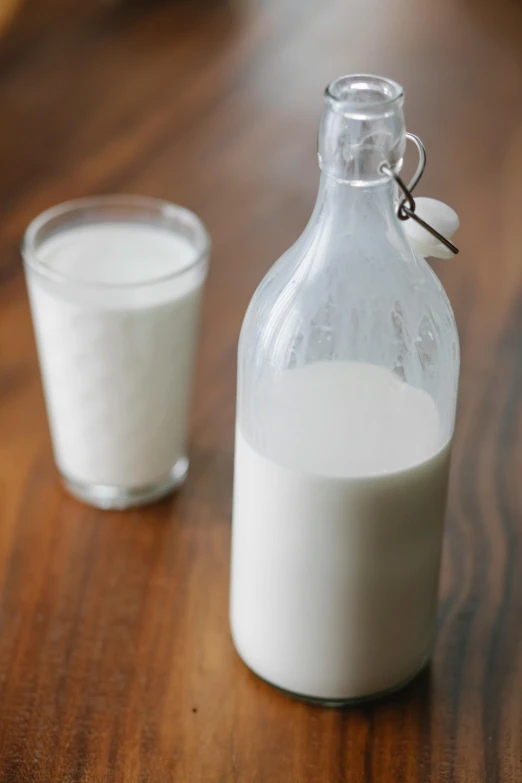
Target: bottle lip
(362, 96)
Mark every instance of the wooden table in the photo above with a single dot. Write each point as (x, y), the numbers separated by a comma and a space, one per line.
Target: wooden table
(115, 657)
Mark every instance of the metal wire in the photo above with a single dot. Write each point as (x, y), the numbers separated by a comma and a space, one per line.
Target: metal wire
(406, 206)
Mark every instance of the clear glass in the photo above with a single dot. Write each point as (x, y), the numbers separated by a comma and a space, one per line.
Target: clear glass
(326, 558)
(115, 285)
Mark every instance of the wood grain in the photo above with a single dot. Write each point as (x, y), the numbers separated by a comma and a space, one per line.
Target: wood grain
(115, 657)
(8, 9)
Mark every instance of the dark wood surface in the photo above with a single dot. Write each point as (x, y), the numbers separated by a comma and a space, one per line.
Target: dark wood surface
(115, 657)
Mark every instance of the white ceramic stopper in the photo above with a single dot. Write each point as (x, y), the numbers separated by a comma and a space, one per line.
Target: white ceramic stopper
(439, 215)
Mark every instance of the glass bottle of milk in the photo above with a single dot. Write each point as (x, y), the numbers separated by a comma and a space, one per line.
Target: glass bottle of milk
(347, 388)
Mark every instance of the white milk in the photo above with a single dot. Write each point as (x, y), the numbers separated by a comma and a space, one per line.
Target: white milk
(337, 532)
(116, 361)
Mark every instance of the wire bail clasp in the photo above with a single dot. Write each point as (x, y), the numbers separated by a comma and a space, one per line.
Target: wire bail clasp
(406, 206)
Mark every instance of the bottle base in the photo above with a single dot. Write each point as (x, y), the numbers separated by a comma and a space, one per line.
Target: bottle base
(110, 497)
(352, 701)
(349, 702)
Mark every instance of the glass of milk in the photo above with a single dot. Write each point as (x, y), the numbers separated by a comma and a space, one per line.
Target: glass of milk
(115, 285)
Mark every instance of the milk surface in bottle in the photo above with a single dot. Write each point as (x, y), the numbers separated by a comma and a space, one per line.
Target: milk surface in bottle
(347, 382)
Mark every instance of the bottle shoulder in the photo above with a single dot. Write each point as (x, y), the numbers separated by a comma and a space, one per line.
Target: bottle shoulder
(384, 307)
(375, 295)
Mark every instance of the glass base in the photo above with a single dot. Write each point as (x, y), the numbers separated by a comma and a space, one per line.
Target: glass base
(114, 497)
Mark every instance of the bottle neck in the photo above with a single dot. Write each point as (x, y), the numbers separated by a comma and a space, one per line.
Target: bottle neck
(342, 208)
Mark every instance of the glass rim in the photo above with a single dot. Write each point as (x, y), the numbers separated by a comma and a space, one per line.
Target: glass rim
(391, 93)
(30, 246)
